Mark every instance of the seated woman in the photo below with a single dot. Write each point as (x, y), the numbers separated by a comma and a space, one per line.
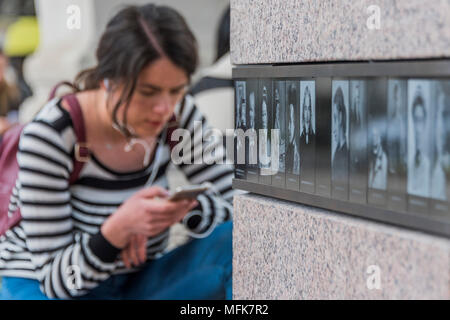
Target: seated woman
(105, 235)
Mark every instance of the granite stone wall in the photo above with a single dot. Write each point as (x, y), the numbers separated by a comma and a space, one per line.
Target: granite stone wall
(292, 31)
(283, 250)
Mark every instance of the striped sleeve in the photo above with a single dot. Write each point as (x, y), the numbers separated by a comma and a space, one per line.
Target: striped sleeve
(205, 161)
(67, 262)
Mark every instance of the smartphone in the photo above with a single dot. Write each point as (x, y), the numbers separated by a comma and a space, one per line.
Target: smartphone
(187, 192)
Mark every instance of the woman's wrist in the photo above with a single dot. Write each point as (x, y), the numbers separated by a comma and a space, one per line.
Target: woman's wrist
(115, 233)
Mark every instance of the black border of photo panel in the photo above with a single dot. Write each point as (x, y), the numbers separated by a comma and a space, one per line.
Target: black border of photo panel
(278, 179)
(239, 168)
(264, 179)
(429, 70)
(377, 88)
(418, 204)
(252, 169)
(323, 137)
(292, 179)
(397, 177)
(358, 135)
(308, 158)
(339, 188)
(440, 207)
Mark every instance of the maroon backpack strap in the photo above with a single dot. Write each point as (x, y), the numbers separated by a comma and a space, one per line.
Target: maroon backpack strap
(81, 150)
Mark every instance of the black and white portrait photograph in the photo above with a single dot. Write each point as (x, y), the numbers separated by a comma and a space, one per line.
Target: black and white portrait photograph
(377, 157)
(307, 136)
(376, 149)
(358, 141)
(240, 113)
(279, 123)
(323, 136)
(440, 169)
(252, 142)
(240, 104)
(340, 139)
(396, 143)
(419, 120)
(292, 135)
(264, 133)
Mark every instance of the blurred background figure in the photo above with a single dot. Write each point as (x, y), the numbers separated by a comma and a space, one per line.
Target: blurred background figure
(19, 38)
(214, 92)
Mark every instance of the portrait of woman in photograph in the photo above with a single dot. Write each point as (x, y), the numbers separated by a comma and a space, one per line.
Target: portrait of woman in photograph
(377, 161)
(418, 153)
(279, 121)
(441, 164)
(293, 151)
(307, 136)
(339, 139)
(396, 135)
(263, 134)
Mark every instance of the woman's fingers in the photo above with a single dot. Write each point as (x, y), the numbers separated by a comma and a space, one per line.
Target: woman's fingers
(155, 191)
(142, 248)
(163, 207)
(133, 249)
(125, 258)
(135, 253)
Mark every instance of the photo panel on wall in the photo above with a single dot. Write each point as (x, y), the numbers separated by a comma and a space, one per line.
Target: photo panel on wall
(240, 124)
(263, 125)
(340, 139)
(358, 141)
(376, 142)
(292, 135)
(279, 124)
(440, 137)
(419, 146)
(251, 150)
(397, 120)
(323, 136)
(307, 136)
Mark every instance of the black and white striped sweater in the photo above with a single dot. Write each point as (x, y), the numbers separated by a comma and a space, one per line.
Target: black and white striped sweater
(61, 223)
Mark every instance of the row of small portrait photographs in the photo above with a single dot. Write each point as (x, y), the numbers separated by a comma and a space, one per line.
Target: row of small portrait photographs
(273, 108)
(389, 139)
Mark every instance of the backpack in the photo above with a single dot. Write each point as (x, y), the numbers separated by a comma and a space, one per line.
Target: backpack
(9, 168)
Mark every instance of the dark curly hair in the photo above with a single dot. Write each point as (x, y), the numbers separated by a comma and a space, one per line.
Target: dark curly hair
(135, 37)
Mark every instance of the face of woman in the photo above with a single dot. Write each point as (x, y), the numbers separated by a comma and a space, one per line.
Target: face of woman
(160, 86)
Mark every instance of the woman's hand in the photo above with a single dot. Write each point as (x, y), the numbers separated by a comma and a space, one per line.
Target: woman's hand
(135, 253)
(146, 213)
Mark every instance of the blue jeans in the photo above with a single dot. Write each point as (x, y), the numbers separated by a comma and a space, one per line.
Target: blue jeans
(200, 269)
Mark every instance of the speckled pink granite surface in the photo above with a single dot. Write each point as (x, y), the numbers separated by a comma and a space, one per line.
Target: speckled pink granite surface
(292, 31)
(283, 250)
